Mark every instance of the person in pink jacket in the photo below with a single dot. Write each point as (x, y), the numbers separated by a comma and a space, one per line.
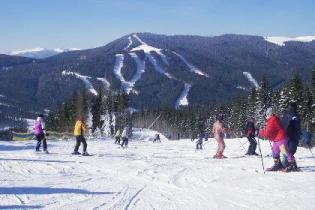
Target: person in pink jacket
(219, 131)
(39, 132)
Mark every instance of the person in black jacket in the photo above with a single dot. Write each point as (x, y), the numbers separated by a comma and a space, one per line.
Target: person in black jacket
(292, 125)
(250, 134)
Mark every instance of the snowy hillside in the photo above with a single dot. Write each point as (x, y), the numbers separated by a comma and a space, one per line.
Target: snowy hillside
(280, 40)
(40, 52)
(170, 175)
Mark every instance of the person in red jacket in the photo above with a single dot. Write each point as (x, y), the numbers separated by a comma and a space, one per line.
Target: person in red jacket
(275, 132)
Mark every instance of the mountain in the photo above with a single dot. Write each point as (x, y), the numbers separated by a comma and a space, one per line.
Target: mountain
(40, 53)
(157, 70)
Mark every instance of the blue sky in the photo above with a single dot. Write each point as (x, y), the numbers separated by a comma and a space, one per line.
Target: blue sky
(92, 23)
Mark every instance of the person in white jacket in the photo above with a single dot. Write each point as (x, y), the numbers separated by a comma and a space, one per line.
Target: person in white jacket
(124, 137)
(117, 136)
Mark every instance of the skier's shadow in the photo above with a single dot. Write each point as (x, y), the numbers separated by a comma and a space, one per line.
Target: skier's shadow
(21, 207)
(35, 160)
(47, 190)
(16, 147)
(307, 168)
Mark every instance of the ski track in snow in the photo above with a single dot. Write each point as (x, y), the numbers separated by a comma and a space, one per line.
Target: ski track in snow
(183, 100)
(128, 85)
(191, 67)
(129, 43)
(84, 79)
(147, 49)
(169, 175)
(140, 68)
(251, 79)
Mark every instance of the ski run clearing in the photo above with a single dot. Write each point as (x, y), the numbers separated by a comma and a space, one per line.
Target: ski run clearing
(169, 175)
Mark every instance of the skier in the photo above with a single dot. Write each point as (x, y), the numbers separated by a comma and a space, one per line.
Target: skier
(79, 130)
(292, 125)
(250, 134)
(157, 138)
(118, 136)
(275, 132)
(219, 131)
(39, 132)
(200, 141)
(124, 137)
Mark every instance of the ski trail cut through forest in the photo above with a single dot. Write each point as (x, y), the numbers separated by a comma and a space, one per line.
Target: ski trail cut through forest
(251, 79)
(191, 67)
(84, 79)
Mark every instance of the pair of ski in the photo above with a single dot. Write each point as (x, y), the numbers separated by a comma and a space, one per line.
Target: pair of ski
(79, 154)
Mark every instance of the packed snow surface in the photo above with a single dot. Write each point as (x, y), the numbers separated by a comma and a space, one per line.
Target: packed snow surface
(251, 79)
(169, 175)
(84, 79)
(147, 49)
(280, 40)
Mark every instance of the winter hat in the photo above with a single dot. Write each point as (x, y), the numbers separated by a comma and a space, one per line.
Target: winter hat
(269, 112)
(41, 115)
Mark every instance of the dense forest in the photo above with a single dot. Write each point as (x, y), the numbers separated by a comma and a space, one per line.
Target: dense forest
(109, 111)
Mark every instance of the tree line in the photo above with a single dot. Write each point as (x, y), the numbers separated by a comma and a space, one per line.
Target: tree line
(109, 111)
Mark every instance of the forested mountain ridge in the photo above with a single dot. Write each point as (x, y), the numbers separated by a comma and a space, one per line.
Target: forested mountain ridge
(197, 70)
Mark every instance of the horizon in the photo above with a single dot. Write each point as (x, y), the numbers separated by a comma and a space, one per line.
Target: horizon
(85, 25)
(39, 48)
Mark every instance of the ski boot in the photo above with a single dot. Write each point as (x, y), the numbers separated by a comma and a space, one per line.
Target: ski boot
(277, 166)
(76, 153)
(291, 167)
(46, 152)
(85, 154)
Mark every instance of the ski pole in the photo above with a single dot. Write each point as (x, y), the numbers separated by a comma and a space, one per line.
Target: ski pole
(311, 151)
(242, 145)
(261, 156)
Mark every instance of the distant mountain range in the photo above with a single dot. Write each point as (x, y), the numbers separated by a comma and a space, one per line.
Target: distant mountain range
(40, 53)
(156, 70)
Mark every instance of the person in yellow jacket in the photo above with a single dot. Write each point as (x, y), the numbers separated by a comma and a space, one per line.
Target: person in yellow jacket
(79, 130)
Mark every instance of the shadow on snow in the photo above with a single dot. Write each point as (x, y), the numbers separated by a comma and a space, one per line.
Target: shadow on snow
(21, 207)
(47, 190)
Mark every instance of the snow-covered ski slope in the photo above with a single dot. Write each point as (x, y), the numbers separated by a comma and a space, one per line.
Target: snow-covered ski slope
(170, 175)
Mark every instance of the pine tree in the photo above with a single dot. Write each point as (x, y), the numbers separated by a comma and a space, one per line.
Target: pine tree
(263, 101)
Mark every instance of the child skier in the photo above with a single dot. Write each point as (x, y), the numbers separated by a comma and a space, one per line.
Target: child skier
(117, 136)
(250, 134)
(219, 131)
(39, 132)
(124, 137)
(275, 133)
(291, 123)
(79, 130)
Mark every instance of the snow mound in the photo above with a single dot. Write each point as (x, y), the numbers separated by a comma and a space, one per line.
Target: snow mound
(280, 40)
(85, 80)
(144, 134)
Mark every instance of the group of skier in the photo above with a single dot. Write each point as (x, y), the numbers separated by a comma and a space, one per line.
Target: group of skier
(284, 134)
